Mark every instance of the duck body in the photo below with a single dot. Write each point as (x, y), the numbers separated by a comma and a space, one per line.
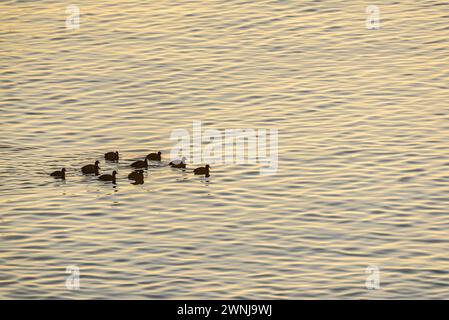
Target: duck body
(140, 164)
(91, 168)
(58, 174)
(108, 177)
(111, 156)
(137, 182)
(178, 163)
(154, 156)
(136, 175)
(202, 170)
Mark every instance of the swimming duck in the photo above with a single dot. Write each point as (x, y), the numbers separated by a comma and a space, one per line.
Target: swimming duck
(154, 156)
(135, 175)
(59, 174)
(140, 164)
(178, 163)
(202, 170)
(91, 168)
(108, 177)
(111, 156)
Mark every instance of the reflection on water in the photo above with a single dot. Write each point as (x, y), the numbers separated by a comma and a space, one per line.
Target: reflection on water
(363, 149)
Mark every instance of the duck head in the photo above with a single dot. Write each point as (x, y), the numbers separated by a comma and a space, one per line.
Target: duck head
(97, 167)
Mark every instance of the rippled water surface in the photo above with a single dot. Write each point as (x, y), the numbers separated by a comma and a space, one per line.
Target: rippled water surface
(363, 121)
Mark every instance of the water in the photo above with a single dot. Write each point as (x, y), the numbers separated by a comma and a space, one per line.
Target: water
(363, 174)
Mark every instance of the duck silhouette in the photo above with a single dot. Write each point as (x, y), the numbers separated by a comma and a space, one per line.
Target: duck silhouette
(154, 156)
(91, 168)
(140, 164)
(111, 156)
(58, 174)
(178, 163)
(135, 175)
(108, 177)
(202, 170)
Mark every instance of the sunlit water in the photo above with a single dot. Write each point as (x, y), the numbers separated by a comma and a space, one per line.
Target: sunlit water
(363, 124)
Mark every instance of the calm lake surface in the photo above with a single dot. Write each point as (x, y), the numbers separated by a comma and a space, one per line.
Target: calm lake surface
(363, 171)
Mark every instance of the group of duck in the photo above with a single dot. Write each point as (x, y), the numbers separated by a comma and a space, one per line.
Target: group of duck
(139, 165)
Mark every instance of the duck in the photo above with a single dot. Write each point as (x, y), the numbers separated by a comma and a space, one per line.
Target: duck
(178, 163)
(91, 168)
(136, 175)
(140, 164)
(154, 156)
(111, 156)
(202, 170)
(108, 177)
(59, 174)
